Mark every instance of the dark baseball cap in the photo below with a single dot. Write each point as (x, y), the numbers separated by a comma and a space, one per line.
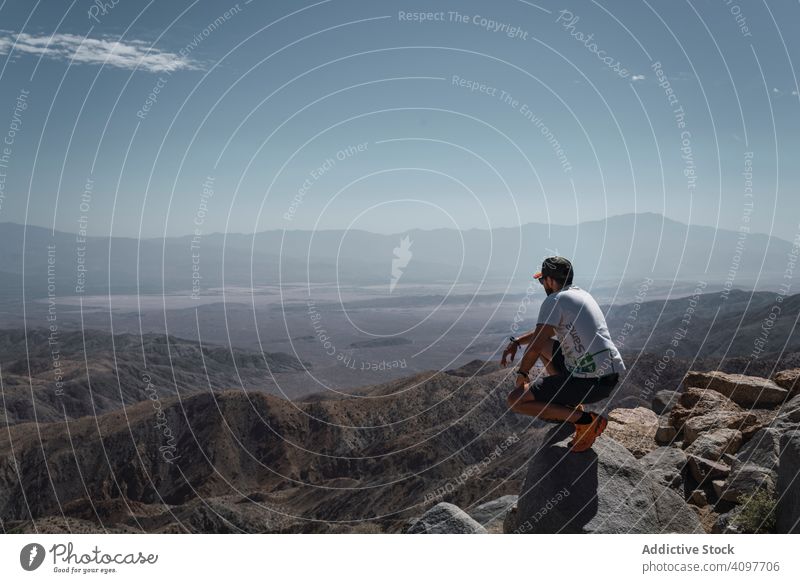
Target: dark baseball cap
(558, 267)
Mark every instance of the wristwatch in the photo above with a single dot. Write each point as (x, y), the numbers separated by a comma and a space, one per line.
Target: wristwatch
(514, 340)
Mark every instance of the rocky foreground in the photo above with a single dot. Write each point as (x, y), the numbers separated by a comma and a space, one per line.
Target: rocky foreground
(434, 452)
(720, 456)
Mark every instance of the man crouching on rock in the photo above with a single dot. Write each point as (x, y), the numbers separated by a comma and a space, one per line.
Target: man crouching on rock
(582, 364)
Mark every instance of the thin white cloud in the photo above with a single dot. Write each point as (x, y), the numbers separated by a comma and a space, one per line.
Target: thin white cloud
(637, 77)
(122, 54)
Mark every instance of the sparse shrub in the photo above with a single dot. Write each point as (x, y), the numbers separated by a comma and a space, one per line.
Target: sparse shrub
(757, 513)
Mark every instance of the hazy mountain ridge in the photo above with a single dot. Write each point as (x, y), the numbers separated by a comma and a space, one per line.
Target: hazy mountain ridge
(624, 246)
(710, 325)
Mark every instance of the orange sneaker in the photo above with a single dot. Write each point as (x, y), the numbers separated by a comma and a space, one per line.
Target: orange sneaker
(586, 433)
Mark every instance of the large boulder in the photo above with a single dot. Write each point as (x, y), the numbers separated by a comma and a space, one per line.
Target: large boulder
(788, 491)
(745, 479)
(633, 428)
(788, 416)
(602, 490)
(445, 518)
(763, 449)
(667, 465)
(714, 444)
(695, 402)
(717, 420)
(703, 469)
(491, 514)
(663, 401)
(763, 418)
(743, 390)
(666, 434)
(789, 380)
(755, 465)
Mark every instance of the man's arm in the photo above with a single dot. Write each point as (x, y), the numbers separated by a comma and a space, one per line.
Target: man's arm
(539, 337)
(511, 350)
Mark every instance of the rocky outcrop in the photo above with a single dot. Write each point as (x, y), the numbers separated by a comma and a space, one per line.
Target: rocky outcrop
(697, 402)
(743, 390)
(788, 418)
(789, 380)
(745, 479)
(763, 449)
(755, 465)
(717, 420)
(491, 514)
(445, 518)
(633, 428)
(666, 434)
(703, 469)
(602, 490)
(667, 465)
(789, 483)
(726, 438)
(686, 466)
(714, 444)
(663, 401)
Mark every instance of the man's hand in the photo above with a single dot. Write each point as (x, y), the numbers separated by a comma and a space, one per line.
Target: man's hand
(520, 382)
(509, 353)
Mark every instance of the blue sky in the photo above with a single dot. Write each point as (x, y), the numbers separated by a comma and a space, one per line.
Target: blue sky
(354, 114)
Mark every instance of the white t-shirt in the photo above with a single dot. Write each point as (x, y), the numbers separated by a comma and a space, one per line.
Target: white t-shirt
(582, 331)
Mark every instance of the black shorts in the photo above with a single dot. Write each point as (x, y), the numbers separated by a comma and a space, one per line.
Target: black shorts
(565, 389)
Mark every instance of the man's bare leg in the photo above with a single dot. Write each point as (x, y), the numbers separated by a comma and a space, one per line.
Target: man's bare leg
(521, 401)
